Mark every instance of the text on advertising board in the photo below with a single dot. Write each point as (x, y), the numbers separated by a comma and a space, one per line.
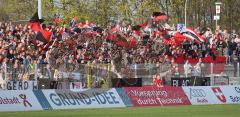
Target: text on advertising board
(21, 85)
(199, 94)
(155, 96)
(76, 98)
(16, 100)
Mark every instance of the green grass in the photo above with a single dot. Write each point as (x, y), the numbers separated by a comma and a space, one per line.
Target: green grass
(170, 111)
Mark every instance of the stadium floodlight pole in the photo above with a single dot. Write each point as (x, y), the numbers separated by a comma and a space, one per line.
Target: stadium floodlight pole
(186, 1)
(40, 9)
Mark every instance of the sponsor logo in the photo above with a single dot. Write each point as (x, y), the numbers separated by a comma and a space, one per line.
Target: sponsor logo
(237, 89)
(9, 100)
(218, 92)
(235, 98)
(26, 103)
(87, 98)
(197, 93)
(200, 94)
(15, 100)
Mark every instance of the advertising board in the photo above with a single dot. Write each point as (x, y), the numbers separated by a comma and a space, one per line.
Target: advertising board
(201, 95)
(157, 96)
(18, 101)
(92, 98)
(231, 94)
(21, 85)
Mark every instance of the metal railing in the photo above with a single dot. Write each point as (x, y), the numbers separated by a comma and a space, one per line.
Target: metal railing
(95, 75)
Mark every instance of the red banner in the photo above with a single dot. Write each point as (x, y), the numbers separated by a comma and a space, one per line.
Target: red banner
(157, 96)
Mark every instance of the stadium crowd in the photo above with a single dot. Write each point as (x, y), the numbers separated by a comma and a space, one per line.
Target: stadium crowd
(82, 43)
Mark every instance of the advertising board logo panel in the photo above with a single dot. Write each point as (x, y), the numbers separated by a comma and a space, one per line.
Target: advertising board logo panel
(18, 101)
(94, 98)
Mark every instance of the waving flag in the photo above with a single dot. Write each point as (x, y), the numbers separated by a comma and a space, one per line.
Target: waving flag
(193, 35)
(35, 22)
(44, 36)
(159, 16)
(144, 24)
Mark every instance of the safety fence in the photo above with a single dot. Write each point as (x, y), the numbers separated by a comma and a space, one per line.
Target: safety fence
(25, 100)
(100, 75)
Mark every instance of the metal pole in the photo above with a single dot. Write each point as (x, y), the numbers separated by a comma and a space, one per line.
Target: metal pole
(238, 69)
(216, 23)
(40, 9)
(186, 12)
(5, 70)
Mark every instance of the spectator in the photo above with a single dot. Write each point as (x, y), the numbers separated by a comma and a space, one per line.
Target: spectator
(187, 68)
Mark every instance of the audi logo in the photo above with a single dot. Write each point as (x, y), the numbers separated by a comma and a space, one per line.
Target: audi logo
(197, 93)
(237, 89)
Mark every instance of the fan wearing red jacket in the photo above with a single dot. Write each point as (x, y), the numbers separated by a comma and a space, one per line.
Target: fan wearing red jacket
(157, 81)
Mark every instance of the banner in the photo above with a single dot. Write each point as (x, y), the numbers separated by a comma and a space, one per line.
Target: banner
(190, 81)
(200, 95)
(213, 94)
(230, 94)
(90, 98)
(18, 101)
(21, 85)
(154, 96)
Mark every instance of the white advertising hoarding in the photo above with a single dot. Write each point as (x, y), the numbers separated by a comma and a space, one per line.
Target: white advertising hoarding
(18, 101)
(92, 98)
(232, 94)
(200, 95)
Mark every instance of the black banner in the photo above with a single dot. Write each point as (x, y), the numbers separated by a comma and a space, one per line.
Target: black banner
(126, 82)
(190, 81)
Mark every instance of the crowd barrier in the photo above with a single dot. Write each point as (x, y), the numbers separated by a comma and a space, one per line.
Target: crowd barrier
(25, 100)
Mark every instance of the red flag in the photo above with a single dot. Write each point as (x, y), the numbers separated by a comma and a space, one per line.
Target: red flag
(144, 24)
(132, 42)
(164, 17)
(35, 26)
(179, 38)
(111, 37)
(193, 35)
(44, 36)
(35, 22)
(159, 16)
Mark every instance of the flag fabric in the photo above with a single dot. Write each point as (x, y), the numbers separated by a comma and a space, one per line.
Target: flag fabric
(144, 24)
(193, 35)
(122, 40)
(165, 37)
(114, 30)
(159, 16)
(35, 22)
(35, 26)
(179, 38)
(136, 27)
(111, 37)
(35, 18)
(132, 42)
(175, 38)
(44, 36)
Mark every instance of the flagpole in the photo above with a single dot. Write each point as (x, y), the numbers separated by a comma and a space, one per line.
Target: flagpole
(40, 9)
(186, 13)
